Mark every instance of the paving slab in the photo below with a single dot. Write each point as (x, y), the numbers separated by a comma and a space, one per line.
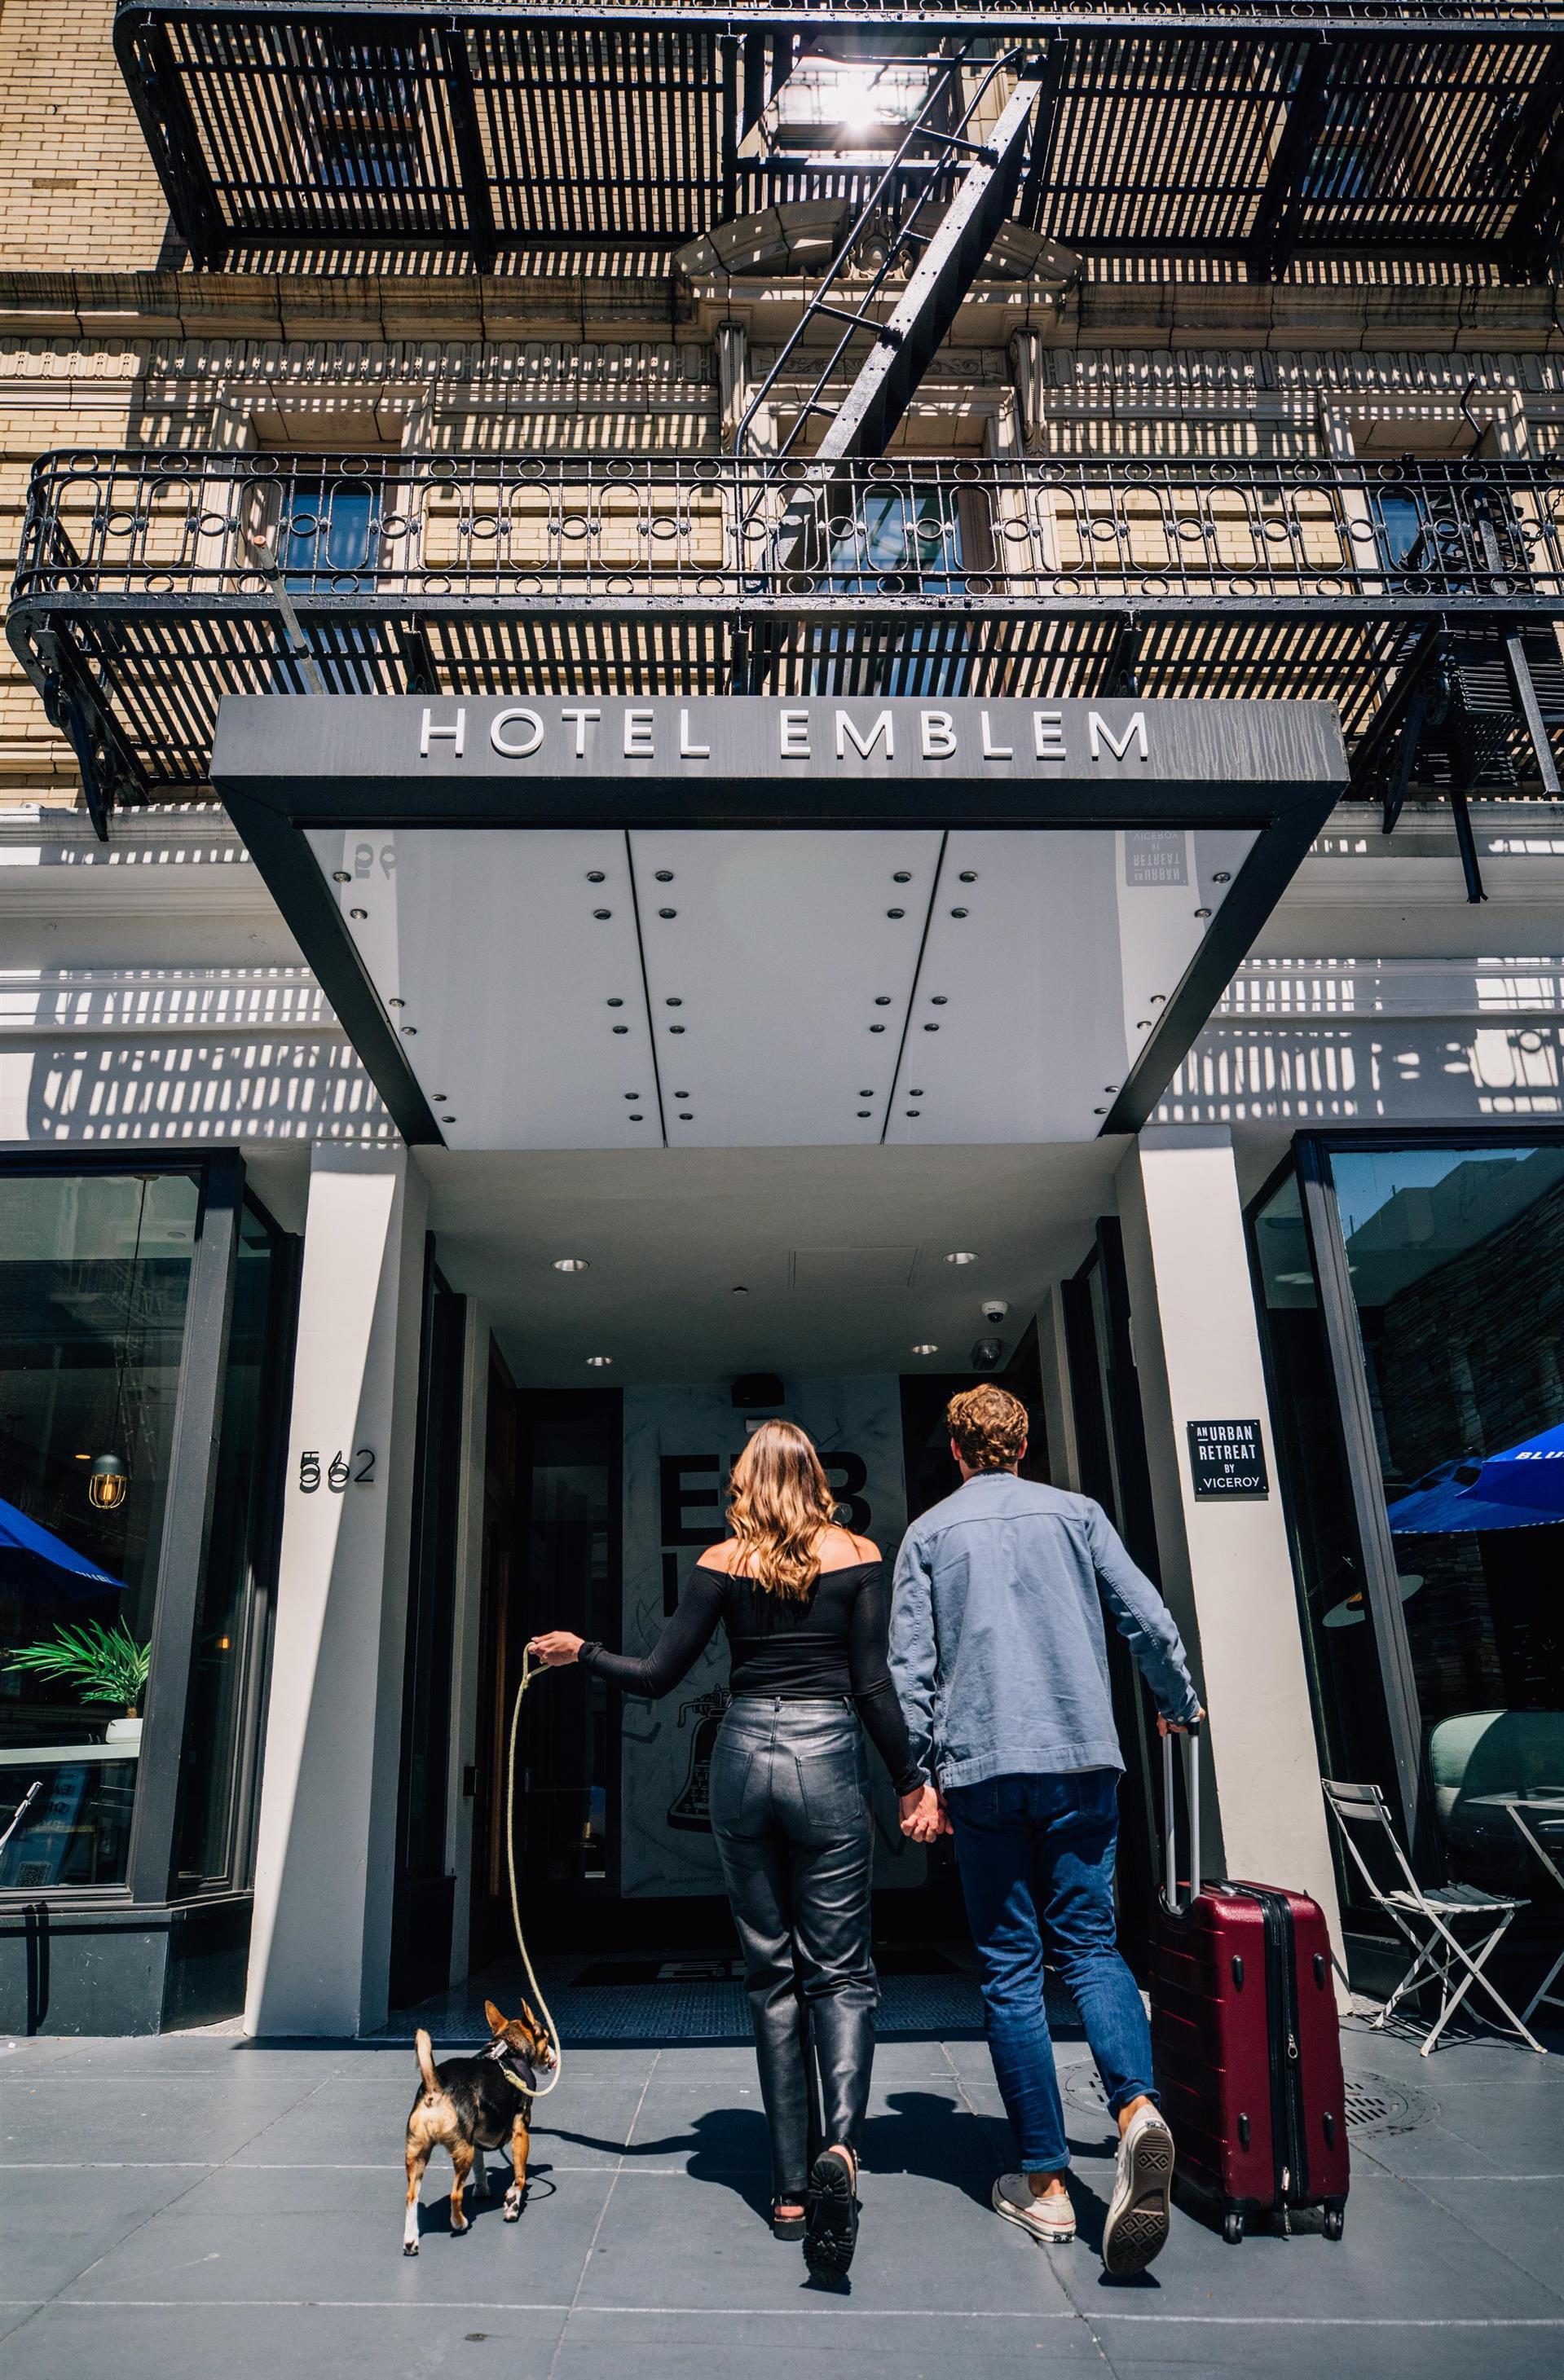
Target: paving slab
(924, 2246)
(54, 2222)
(246, 2235)
(256, 2342)
(1152, 2349)
(828, 2338)
(56, 2111)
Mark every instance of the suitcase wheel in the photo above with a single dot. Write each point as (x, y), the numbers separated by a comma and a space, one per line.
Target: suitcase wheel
(1335, 2222)
(1232, 2226)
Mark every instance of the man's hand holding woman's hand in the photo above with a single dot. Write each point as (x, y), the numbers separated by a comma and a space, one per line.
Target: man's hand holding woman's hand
(923, 1818)
(556, 1649)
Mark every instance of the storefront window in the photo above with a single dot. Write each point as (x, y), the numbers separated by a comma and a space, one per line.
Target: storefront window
(1338, 1635)
(1456, 1259)
(94, 1280)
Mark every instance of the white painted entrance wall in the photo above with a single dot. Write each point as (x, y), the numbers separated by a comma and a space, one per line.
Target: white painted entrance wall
(1226, 1570)
(321, 1943)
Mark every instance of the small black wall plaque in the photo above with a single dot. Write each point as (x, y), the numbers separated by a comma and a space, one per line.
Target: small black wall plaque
(1227, 1458)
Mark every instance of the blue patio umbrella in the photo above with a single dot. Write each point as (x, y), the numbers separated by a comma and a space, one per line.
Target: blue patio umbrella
(33, 1560)
(1520, 1488)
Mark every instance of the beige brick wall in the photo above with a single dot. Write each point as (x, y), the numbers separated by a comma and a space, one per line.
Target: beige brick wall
(77, 187)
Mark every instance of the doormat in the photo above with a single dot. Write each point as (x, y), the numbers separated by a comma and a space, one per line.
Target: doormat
(890, 1958)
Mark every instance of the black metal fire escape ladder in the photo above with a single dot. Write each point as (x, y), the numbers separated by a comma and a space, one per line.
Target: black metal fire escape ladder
(967, 190)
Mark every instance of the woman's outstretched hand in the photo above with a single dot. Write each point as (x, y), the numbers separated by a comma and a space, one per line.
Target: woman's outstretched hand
(556, 1648)
(923, 1818)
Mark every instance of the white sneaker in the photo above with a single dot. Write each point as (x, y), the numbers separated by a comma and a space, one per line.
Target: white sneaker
(1138, 2216)
(1050, 2219)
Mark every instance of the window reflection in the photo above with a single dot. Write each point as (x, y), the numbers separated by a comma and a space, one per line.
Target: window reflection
(1456, 1257)
(94, 1275)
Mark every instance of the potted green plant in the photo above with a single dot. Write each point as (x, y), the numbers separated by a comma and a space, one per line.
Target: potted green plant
(104, 1665)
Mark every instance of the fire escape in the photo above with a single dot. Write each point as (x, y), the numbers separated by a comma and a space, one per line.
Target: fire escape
(1247, 138)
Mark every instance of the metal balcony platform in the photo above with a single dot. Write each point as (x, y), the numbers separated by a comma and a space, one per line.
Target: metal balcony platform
(1255, 133)
(150, 584)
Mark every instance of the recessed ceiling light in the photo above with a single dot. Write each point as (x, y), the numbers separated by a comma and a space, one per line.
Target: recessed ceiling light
(968, 875)
(882, 1000)
(340, 876)
(673, 1003)
(939, 1000)
(1203, 912)
(902, 876)
(926, 1347)
(601, 913)
(396, 1003)
(665, 876)
(864, 1113)
(409, 1030)
(895, 913)
(616, 1004)
(962, 1256)
(595, 875)
(359, 914)
(958, 912)
(599, 1363)
(739, 1291)
(447, 1119)
(571, 1264)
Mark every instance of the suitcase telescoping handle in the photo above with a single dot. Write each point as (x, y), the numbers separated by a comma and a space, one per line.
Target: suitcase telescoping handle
(1190, 1744)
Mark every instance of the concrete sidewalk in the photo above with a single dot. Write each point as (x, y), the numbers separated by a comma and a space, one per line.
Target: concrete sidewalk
(199, 2204)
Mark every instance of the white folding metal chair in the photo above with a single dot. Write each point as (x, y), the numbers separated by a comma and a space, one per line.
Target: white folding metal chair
(1427, 1917)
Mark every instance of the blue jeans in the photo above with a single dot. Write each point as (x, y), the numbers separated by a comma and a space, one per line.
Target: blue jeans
(1036, 1855)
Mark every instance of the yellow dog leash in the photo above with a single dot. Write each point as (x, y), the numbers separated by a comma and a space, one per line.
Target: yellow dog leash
(530, 1670)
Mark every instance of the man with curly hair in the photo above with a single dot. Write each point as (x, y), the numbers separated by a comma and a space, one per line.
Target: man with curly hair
(998, 1654)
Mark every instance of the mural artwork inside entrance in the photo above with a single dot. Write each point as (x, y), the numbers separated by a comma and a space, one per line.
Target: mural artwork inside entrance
(678, 1445)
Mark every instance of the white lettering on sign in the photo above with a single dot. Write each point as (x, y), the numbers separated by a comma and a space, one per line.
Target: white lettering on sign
(1097, 726)
(861, 744)
(456, 730)
(646, 731)
(513, 751)
(1047, 728)
(580, 719)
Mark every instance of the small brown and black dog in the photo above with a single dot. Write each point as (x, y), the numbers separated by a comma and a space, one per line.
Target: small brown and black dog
(469, 2104)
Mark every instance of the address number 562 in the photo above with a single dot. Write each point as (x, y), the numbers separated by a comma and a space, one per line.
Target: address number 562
(359, 1467)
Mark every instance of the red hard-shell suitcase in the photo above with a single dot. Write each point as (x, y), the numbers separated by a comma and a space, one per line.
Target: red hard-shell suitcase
(1245, 2040)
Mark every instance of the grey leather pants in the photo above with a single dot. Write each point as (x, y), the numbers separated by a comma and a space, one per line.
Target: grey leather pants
(790, 1802)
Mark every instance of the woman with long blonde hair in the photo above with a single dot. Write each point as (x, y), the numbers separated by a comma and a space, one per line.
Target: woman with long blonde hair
(805, 1608)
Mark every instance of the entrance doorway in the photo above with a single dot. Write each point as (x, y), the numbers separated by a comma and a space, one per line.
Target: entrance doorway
(861, 1275)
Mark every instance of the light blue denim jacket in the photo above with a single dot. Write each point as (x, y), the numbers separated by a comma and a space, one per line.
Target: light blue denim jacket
(996, 1644)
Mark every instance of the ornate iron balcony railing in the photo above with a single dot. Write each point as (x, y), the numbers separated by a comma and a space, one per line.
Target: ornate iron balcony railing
(148, 584)
(1253, 132)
